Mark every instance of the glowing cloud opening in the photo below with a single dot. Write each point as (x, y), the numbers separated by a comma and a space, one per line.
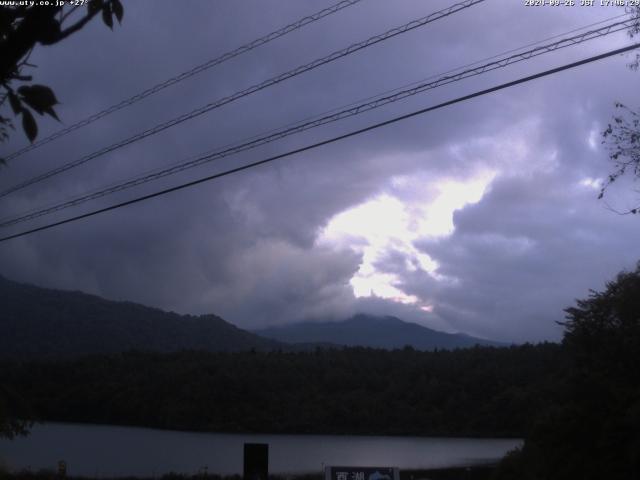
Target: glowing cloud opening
(385, 225)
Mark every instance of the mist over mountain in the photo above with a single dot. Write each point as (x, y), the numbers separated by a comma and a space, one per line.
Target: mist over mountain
(39, 322)
(372, 331)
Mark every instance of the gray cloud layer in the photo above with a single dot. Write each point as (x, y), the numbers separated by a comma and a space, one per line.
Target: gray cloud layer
(247, 247)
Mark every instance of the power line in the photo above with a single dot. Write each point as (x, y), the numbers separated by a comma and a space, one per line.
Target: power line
(189, 73)
(248, 91)
(326, 142)
(211, 156)
(335, 109)
(345, 113)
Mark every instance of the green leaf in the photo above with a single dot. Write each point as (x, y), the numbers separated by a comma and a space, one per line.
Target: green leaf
(107, 15)
(51, 112)
(39, 97)
(94, 6)
(29, 125)
(14, 101)
(117, 10)
(48, 31)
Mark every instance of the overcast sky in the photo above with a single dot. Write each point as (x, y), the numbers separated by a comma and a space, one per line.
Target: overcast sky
(481, 218)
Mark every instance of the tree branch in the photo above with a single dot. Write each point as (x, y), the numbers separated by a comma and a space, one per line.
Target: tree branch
(23, 39)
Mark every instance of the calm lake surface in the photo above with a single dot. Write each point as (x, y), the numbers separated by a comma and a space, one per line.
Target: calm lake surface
(103, 451)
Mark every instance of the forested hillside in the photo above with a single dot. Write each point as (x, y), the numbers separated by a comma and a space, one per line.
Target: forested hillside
(482, 391)
(40, 322)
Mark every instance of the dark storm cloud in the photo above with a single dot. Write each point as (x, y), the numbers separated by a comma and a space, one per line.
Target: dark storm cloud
(246, 247)
(519, 263)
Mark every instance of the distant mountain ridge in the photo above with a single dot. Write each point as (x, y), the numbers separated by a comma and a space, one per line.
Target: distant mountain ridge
(372, 331)
(39, 322)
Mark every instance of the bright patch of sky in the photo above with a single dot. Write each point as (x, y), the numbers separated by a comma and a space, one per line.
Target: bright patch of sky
(593, 183)
(593, 138)
(390, 223)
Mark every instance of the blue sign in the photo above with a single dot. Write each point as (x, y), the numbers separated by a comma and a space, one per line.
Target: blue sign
(361, 473)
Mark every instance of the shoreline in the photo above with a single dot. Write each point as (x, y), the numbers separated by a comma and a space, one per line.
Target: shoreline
(37, 423)
(470, 472)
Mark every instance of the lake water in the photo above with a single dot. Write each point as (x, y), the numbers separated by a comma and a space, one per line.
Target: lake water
(97, 450)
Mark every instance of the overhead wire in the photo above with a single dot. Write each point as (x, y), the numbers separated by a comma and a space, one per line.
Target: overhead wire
(455, 8)
(187, 74)
(326, 142)
(323, 120)
(335, 109)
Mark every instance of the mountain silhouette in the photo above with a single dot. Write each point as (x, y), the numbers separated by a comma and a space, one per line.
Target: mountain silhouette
(372, 331)
(40, 322)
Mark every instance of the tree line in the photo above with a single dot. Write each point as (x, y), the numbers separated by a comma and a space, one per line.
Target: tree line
(482, 391)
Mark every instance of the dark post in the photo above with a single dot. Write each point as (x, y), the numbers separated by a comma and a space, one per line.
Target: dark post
(62, 469)
(256, 461)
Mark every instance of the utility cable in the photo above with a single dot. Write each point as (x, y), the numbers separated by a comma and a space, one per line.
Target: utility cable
(345, 113)
(188, 74)
(326, 142)
(248, 91)
(333, 110)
